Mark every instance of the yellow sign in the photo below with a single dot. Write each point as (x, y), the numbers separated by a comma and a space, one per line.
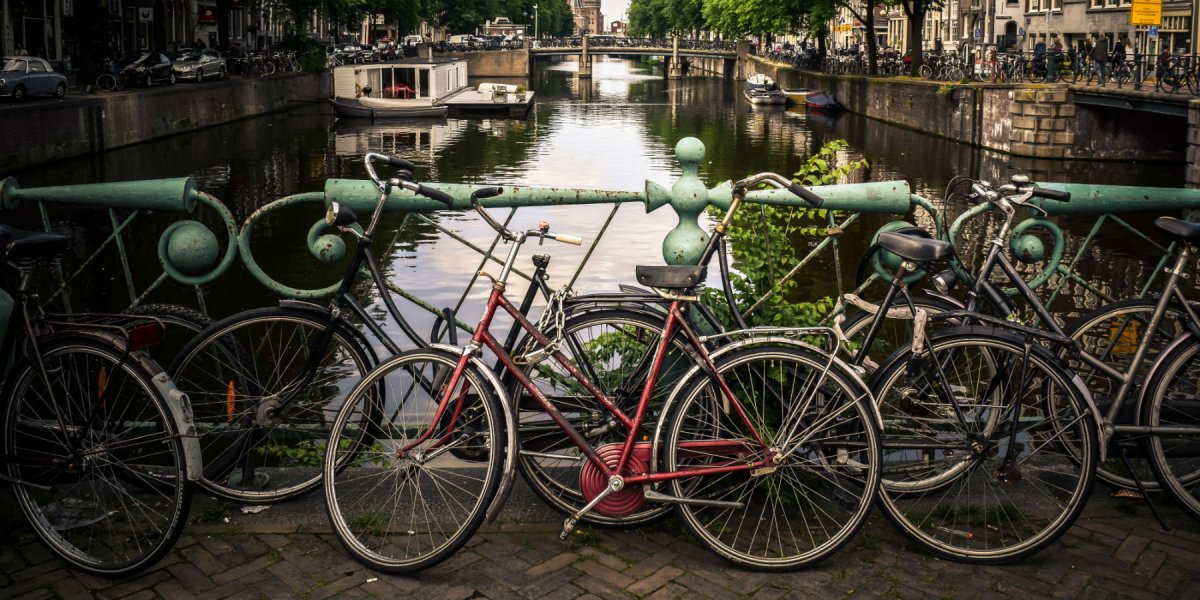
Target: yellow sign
(845, 27)
(1146, 12)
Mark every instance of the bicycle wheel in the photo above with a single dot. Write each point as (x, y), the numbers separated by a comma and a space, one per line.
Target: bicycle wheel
(106, 82)
(97, 445)
(268, 68)
(1170, 401)
(925, 71)
(1067, 74)
(815, 417)
(613, 348)
(1169, 81)
(264, 402)
(1113, 334)
(400, 509)
(1006, 478)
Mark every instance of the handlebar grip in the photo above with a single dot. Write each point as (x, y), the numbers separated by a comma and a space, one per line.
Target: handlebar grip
(438, 195)
(808, 196)
(1052, 194)
(568, 239)
(400, 163)
(487, 192)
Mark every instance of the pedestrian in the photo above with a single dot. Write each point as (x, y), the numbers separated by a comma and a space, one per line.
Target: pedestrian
(1053, 58)
(1100, 55)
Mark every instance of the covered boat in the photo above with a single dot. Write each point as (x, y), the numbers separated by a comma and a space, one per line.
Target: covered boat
(763, 96)
(760, 81)
(400, 89)
(822, 101)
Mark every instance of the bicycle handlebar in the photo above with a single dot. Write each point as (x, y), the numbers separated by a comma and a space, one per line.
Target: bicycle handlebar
(782, 182)
(1040, 192)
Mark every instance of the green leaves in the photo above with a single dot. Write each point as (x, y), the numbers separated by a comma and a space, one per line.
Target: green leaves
(767, 243)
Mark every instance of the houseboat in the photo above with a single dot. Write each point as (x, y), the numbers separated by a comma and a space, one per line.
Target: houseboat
(412, 87)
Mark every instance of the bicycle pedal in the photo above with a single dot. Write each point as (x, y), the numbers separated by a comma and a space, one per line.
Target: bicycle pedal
(568, 527)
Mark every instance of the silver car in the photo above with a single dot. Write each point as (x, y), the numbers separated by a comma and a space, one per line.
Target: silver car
(199, 65)
(22, 76)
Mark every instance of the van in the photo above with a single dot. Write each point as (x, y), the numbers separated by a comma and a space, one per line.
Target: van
(413, 40)
(461, 38)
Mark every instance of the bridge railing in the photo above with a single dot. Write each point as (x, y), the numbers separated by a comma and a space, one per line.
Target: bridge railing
(191, 255)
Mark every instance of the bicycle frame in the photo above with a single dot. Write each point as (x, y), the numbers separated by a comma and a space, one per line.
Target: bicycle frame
(675, 321)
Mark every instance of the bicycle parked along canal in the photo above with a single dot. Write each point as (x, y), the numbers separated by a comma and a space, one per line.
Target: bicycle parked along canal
(96, 439)
(756, 442)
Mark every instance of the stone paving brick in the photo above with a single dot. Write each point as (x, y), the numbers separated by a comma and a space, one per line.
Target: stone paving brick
(1130, 548)
(648, 584)
(600, 588)
(669, 592)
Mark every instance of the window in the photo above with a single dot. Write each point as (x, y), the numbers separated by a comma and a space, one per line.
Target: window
(1110, 3)
(1055, 5)
(1097, 3)
(37, 66)
(1035, 5)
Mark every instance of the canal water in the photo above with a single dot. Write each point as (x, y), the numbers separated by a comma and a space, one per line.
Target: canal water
(613, 132)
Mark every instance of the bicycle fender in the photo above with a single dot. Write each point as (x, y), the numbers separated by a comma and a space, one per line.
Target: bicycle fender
(510, 428)
(1156, 366)
(836, 363)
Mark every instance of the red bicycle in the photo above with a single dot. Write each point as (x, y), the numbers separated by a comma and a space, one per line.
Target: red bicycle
(768, 447)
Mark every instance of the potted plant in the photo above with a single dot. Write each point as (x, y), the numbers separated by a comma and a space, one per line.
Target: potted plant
(520, 93)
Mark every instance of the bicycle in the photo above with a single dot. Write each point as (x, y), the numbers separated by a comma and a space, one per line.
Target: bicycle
(990, 446)
(394, 460)
(109, 79)
(96, 439)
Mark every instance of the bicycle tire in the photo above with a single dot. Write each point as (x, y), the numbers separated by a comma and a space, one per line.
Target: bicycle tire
(180, 325)
(818, 418)
(925, 71)
(1167, 403)
(238, 371)
(1113, 333)
(966, 504)
(1035, 75)
(106, 82)
(268, 68)
(404, 514)
(617, 344)
(117, 506)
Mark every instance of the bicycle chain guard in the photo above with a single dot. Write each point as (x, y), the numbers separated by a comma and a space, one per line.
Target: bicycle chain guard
(591, 481)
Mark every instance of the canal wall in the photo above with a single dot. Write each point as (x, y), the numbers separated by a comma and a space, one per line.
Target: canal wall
(1028, 120)
(508, 63)
(45, 131)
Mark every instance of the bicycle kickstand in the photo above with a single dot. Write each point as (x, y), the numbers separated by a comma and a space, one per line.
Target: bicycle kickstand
(1140, 488)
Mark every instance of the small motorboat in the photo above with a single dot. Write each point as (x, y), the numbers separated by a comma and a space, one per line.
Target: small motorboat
(798, 95)
(822, 101)
(763, 96)
(760, 81)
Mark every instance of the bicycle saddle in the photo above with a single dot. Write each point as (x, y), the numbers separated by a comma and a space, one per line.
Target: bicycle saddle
(916, 248)
(1180, 229)
(671, 277)
(18, 243)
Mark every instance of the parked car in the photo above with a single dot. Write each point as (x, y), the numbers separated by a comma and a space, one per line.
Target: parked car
(23, 76)
(146, 68)
(199, 65)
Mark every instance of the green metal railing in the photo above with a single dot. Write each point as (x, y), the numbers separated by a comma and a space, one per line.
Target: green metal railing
(191, 255)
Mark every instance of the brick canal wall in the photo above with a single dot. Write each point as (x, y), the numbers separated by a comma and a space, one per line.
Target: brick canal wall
(43, 131)
(507, 63)
(1037, 121)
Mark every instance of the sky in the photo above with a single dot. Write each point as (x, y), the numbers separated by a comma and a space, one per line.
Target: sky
(613, 9)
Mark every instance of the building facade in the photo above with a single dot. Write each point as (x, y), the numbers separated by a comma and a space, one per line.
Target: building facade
(588, 19)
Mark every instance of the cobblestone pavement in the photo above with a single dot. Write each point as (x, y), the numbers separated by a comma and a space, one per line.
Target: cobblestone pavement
(1115, 550)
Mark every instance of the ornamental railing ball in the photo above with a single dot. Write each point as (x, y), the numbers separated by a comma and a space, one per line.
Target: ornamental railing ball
(192, 248)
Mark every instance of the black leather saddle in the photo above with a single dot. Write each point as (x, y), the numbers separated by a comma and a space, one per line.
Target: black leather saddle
(916, 248)
(1179, 229)
(17, 244)
(671, 277)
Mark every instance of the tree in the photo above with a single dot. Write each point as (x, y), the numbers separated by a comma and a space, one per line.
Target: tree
(864, 11)
(739, 18)
(916, 10)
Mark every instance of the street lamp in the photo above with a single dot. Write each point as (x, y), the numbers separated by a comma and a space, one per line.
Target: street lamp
(535, 21)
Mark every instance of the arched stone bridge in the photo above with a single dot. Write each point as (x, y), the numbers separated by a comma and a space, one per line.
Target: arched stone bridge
(674, 49)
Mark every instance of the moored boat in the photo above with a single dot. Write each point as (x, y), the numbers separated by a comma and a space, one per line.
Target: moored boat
(761, 96)
(760, 81)
(400, 89)
(797, 95)
(822, 101)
